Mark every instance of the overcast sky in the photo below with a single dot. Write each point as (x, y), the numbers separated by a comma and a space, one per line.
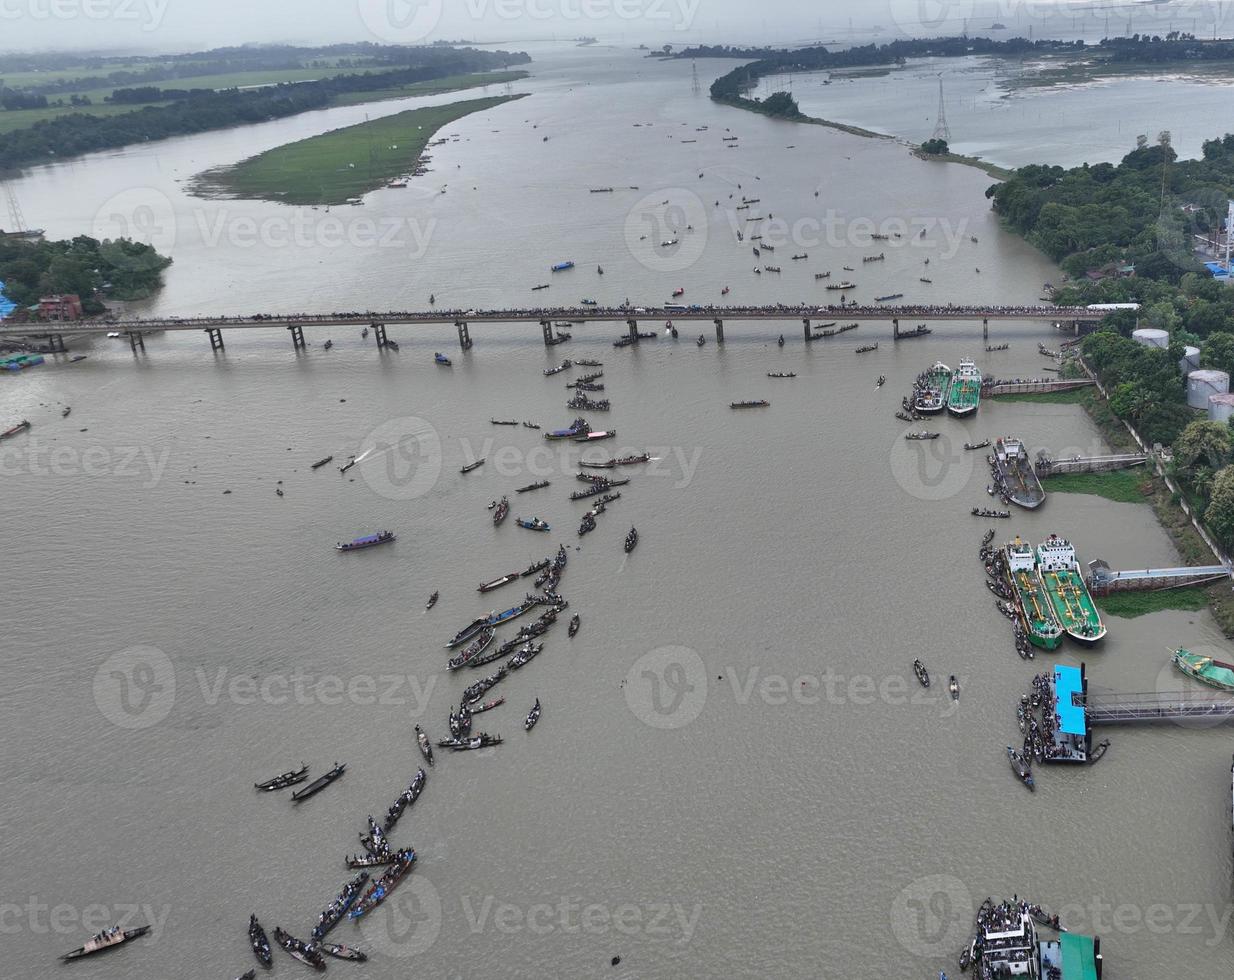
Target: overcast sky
(178, 25)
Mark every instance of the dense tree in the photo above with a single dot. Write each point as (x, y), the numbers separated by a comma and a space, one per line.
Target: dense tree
(1203, 444)
(90, 268)
(1219, 515)
(1218, 352)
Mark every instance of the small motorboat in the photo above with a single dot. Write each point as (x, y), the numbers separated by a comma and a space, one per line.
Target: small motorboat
(532, 716)
(351, 461)
(678, 292)
(472, 466)
(780, 342)
(977, 445)
(1021, 767)
(574, 624)
(882, 380)
(321, 462)
(318, 784)
(289, 778)
(65, 413)
(535, 524)
(701, 340)
(426, 747)
(432, 601)
(109, 938)
(442, 359)
(923, 675)
(954, 687)
(327, 345)
(259, 942)
(631, 540)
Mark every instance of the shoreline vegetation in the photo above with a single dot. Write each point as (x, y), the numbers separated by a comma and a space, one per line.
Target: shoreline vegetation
(49, 132)
(342, 164)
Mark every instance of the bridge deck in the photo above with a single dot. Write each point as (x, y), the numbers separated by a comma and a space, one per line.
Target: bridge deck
(1117, 709)
(584, 313)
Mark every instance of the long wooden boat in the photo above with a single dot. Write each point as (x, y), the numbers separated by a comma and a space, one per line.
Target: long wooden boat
(333, 913)
(467, 632)
(259, 942)
(304, 952)
(21, 426)
(532, 486)
(320, 783)
(472, 466)
(341, 951)
(473, 649)
(381, 888)
(758, 403)
(406, 799)
(368, 541)
(322, 462)
(109, 938)
(289, 778)
(497, 583)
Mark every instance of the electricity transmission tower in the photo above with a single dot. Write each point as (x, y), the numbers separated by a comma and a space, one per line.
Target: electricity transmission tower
(15, 215)
(941, 130)
(695, 85)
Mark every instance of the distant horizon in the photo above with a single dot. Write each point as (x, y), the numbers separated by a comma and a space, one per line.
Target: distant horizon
(150, 28)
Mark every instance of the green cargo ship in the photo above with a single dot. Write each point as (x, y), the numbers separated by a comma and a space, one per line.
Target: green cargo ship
(1036, 609)
(1206, 670)
(930, 391)
(964, 393)
(1060, 575)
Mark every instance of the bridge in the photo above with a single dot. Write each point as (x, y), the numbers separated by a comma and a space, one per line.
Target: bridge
(550, 319)
(1126, 709)
(1103, 580)
(997, 388)
(1087, 464)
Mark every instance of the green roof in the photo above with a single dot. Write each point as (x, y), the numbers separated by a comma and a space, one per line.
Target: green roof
(1079, 957)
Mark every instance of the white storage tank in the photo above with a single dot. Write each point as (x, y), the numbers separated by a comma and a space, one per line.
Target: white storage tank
(1191, 359)
(1220, 407)
(1151, 338)
(1204, 383)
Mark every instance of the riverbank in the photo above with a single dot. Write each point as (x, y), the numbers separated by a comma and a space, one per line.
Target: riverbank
(1122, 486)
(1191, 547)
(343, 164)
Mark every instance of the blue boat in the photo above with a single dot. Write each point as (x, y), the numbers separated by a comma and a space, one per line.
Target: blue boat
(535, 524)
(368, 541)
(441, 359)
(513, 613)
(562, 266)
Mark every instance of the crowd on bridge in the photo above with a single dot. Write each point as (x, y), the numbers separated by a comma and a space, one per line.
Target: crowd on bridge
(627, 310)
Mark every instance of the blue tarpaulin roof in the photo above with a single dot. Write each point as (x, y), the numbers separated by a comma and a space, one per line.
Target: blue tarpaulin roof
(1218, 270)
(7, 306)
(1066, 683)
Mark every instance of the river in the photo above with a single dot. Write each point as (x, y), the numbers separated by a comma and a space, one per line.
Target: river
(735, 773)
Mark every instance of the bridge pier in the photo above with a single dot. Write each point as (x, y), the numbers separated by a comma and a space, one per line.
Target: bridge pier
(297, 336)
(464, 334)
(895, 328)
(379, 331)
(546, 328)
(719, 330)
(632, 327)
(136, 340)
(55, 343)
(985, 328)
(216, 338)
(805, 323)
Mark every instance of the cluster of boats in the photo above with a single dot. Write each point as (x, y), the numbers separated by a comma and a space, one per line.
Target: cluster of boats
(1050, 594)
(958, 391)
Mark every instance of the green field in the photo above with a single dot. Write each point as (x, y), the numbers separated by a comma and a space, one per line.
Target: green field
(343, 163)
(1122, 486)
(1128, 605)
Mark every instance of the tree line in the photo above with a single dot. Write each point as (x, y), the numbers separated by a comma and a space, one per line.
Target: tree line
(75, 133)
(90, 268)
